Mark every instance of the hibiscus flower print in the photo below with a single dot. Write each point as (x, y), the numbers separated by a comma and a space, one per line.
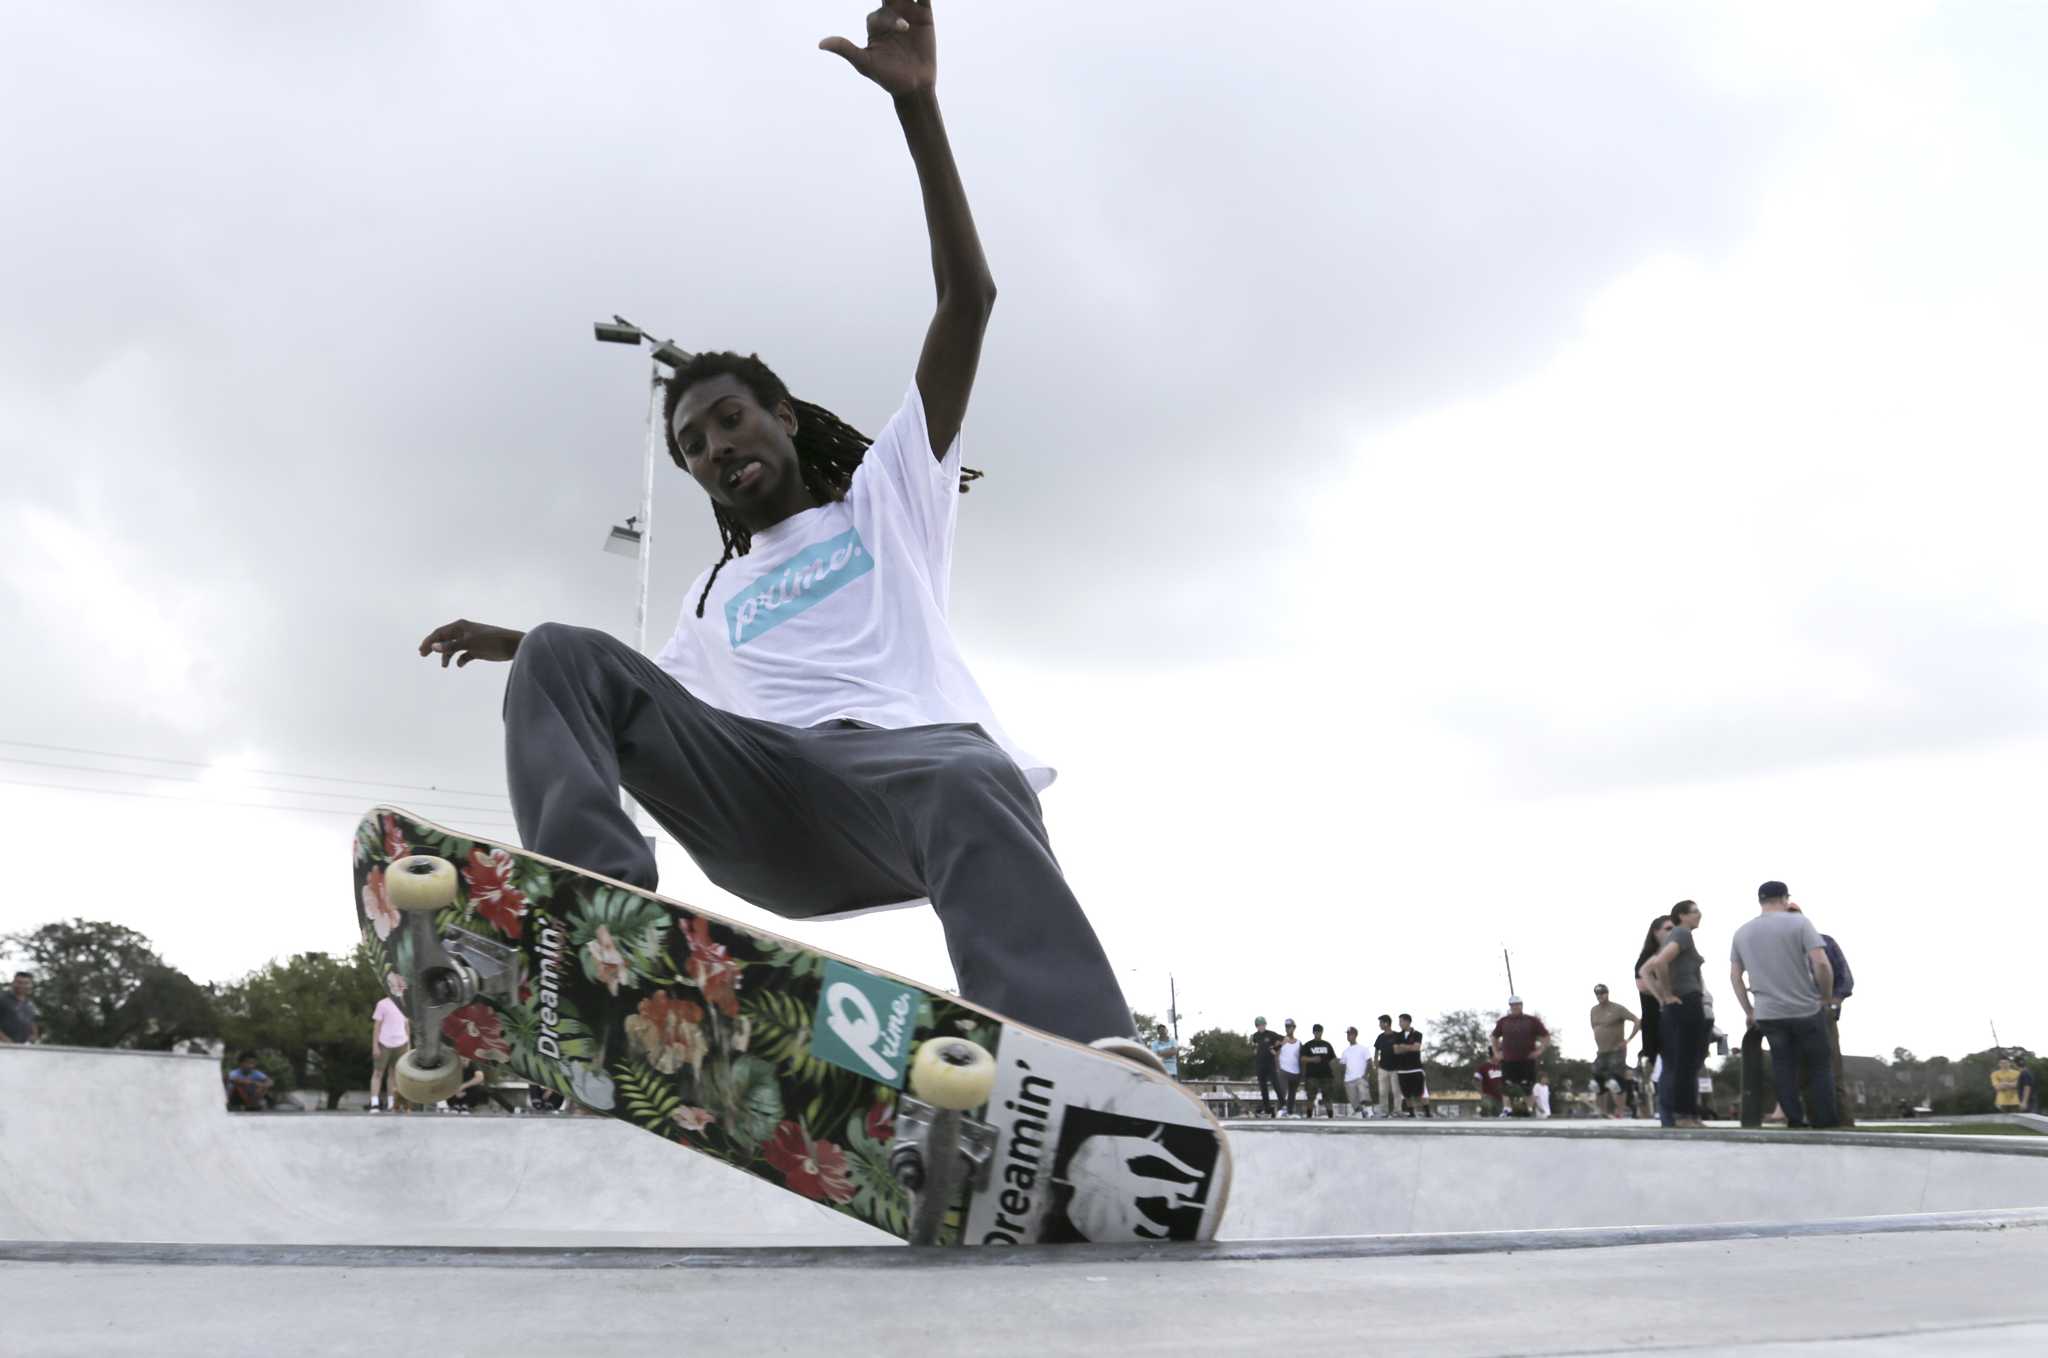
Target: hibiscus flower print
(881, 1123)
(377, 906)
(712, 969)
(665, 1030)
(693, 1119)
(606, 959)
(816, 1169)
(488, 875)
(395, 846)
(478, 1033)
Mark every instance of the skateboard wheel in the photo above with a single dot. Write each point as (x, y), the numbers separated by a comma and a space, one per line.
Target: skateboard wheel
(952, 1073)
(425, 1084)
(420, 882)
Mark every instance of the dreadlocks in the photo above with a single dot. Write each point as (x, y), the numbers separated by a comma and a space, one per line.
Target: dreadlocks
(827, 448)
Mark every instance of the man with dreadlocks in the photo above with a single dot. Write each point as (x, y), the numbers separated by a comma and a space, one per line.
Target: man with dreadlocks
(811, 734)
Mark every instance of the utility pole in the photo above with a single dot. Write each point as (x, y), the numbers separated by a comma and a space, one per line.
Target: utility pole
(1173, 1007)
(1508, 962)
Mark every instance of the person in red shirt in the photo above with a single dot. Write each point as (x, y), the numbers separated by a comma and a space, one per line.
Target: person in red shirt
(1489, 1077)
(1519, 1041)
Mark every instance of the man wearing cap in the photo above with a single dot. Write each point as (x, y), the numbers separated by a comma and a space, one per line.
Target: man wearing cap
(1357, 1085)
(1319, 1072)
(1408, 1073)
(1290, 1068)
(1519, 1041)
(1780, 957)
(1265, 1063)
(1614, 1027)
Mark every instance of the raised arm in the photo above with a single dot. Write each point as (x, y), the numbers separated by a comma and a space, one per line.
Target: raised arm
(901, 56)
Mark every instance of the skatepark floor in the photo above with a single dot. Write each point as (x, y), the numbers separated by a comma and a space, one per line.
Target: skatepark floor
(138, 1217)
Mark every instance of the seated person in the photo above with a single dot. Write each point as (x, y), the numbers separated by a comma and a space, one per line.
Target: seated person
(248, 1088)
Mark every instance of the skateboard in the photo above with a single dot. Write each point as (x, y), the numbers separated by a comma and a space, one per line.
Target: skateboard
(935, 1120)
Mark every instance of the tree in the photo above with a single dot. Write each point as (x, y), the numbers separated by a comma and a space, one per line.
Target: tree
(103, 985)
(314, 1012)
(1463, 1037)
(1217, 1054)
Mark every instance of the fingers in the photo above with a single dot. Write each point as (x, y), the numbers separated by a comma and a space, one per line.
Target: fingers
(841, 47)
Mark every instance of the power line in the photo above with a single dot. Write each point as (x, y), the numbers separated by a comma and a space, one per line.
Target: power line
(266, 773)
(222, 801)
(234, 787)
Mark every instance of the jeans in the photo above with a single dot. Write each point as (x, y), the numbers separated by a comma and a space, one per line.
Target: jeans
(1290, 1081)
(1684, 1030)
(1799, 1051)
(1269, 1080)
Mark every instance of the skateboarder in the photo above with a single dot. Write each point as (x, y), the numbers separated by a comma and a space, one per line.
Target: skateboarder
(811, 733)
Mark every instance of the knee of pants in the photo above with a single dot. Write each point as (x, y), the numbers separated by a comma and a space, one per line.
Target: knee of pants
(969, 772)
(552, 639)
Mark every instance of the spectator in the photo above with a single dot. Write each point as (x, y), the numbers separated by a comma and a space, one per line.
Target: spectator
(1652, 1032)
(1357, 1082)
(19, 1023)
(2005, 1086)
(2030, 1101)
(1387, 1066)
(1166, 1050)
(1845, 983)
(1265, 1063)
(1673, 975)
(390, 1038)
(1319, 1071)
(1491, 1087)
(1539, 1094)
(1613, 1028)
(1290, 1069)
(1408, 1051)
(1787, 968)
(248, 1088)
(1519, 1041)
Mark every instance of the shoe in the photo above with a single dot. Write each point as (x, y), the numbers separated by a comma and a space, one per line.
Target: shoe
(375, 1108)
(1131, 1050)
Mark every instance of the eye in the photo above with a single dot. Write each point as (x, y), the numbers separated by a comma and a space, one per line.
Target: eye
(730, 419)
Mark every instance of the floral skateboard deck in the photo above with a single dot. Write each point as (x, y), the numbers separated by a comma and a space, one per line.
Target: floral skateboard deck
(783, 1061)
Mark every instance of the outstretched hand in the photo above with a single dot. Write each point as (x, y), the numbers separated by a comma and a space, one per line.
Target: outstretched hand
(463, 641)
(902, 54)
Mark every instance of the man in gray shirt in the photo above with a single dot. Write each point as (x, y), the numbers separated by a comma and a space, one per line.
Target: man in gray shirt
(19, 1022)
(1789, 986)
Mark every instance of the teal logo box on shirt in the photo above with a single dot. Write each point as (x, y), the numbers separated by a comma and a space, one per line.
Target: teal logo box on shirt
(864, 1023)
(810, 577)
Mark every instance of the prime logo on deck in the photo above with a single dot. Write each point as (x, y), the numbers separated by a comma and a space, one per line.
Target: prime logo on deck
(864, 1023)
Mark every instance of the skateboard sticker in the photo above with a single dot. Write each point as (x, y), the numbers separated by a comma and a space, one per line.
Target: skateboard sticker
(864, 1023)
(1064, 1171)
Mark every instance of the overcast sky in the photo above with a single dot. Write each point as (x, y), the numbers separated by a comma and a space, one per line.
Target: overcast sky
(1456, 480)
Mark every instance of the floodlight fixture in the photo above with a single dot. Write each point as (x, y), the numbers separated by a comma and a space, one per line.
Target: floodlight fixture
(624, 539)
(619, 330)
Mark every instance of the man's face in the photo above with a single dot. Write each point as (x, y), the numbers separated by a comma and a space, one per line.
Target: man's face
(1406, 1020)
(22, 986)
(1351, 1034)
(742, 455)
(1290, 1030)
(1599, 994)
(1515, 1008)
(1386, 1025)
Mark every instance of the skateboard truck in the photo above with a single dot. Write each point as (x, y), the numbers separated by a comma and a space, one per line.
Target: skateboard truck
(938, 1149)
(449, 971)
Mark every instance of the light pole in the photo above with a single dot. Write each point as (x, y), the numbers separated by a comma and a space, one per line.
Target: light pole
(635, 537)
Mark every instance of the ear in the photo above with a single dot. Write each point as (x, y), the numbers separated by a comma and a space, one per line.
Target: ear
(786, 413)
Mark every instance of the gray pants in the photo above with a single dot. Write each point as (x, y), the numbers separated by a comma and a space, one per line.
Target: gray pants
(801, 822)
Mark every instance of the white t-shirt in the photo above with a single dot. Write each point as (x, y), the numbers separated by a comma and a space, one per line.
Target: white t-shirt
(1355, 1058)
(840, 611)
(1290, 1056)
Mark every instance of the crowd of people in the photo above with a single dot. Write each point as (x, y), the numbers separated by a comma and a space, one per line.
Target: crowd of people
(1788, 977)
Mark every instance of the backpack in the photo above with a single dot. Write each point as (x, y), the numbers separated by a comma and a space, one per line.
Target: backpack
(1845, 979)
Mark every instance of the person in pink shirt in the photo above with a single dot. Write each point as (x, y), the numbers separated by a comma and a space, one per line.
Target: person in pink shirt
(390, 1038)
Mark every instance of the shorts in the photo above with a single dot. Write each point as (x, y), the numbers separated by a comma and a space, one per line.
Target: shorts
(387, 1057)
(1411, 1083)
(1608, 1070)
(1519, 1076)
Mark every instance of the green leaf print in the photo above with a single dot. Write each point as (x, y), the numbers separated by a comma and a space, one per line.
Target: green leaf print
(617, 938)
(795, 961)
(746, 1098)
(781, 1031)
(649, 1098)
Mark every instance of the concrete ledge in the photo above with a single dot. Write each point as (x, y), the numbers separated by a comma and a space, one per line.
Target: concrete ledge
(832, 1256)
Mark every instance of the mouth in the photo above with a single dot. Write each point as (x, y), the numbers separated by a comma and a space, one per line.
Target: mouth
(745, 475)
